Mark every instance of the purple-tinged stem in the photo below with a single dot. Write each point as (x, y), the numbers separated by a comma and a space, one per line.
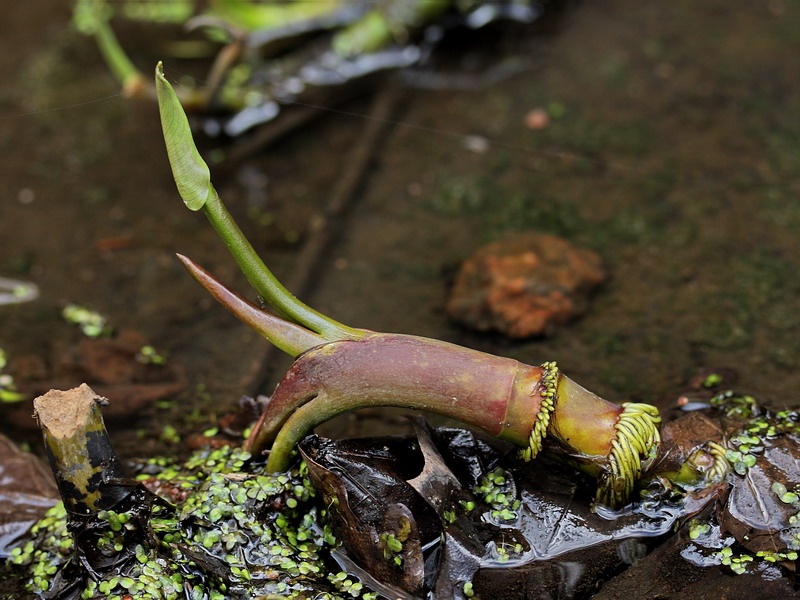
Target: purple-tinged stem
(287, 336)
(401, 371)
(528, 406)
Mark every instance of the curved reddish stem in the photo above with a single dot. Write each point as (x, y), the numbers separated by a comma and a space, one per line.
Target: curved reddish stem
(407, 372)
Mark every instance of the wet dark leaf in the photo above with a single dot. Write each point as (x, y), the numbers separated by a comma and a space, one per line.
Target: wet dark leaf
(534, 530)
(436, 483)
(27, 490)
(363, 486)
(462, 541)
(665, 574)
(756, 514)
(681, 437)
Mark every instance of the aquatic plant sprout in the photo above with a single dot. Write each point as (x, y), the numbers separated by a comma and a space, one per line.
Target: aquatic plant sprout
(340, 368)
(192, 178)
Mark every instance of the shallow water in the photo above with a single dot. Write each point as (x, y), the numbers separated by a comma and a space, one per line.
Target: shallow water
(673, 155)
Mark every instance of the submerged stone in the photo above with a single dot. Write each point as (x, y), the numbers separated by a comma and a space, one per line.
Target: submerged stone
(525, 285)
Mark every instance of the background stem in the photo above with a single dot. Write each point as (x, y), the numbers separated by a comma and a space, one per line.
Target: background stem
(124, 70)
(264, 282)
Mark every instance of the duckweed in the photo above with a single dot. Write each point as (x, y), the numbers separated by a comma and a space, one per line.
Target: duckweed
(758, 428)
(8, 391)
(497, 490)
(742, 407)
(392, 549)
(230, 531)
(736, 562)
(148, 355)
(91, 323)
(469, 592)
(698, 529)
(504, 551)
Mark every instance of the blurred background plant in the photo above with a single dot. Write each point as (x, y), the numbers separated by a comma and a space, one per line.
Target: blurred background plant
(263, 54)
(8, 391)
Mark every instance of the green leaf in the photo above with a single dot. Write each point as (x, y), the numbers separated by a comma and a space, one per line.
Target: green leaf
(10, 396)
(189, 170)
(778, 488)
(712, 380)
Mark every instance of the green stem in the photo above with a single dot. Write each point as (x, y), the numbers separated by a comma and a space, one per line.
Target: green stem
(264, 282)
(119, 63)
(304, 419)
(193, 179)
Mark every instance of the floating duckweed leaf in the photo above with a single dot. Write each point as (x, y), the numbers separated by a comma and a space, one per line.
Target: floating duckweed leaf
(741, 462)
(778, 488)
(189, 170)
(697, 529)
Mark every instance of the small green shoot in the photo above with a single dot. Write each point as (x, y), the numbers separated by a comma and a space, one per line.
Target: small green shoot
(170, 435)
(193, 180)
(713, 380)
(91, 17)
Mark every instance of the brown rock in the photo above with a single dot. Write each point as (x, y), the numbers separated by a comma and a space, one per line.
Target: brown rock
(524, 285)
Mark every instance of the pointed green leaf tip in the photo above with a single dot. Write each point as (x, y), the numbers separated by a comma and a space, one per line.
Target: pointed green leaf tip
(189, 170)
